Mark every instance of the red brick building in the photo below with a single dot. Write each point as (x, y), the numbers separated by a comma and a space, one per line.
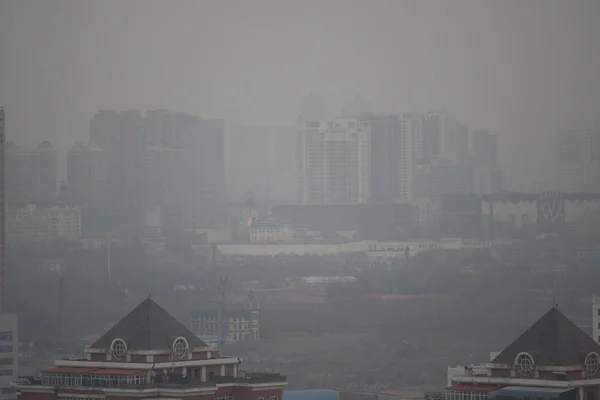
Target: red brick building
(150, 355)
(553, 359)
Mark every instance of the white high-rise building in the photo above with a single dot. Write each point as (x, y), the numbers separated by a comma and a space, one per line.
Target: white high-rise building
(9, 355)
(411, 148)
(334, 161)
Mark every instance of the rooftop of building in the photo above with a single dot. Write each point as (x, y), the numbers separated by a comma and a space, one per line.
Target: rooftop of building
(148, 327)
(553, 340)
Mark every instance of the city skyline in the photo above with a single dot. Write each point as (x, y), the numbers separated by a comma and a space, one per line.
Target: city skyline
(520, 70)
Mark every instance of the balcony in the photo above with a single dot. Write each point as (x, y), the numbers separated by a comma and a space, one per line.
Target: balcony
(250, 377)
(137, 381)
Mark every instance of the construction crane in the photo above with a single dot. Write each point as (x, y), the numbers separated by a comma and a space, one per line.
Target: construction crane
(2, 209)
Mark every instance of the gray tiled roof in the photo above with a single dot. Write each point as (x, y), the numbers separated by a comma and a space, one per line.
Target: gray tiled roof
(553, 340)
(148, 327)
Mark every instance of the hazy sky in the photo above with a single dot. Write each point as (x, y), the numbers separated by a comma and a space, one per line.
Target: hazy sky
(519, 67)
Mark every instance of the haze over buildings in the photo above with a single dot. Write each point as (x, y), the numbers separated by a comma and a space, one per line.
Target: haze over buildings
(518, 69)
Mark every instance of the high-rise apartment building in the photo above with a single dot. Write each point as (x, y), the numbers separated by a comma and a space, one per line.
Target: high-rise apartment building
(334, 161)
(386, 150)
(31, 174)
(204, 158)
(45, 222)
(119, 134)
(577, 154)
(87, 174)
(411, 150)
(261, 160)
(396, 142)
(443, 137)
(9, 355)
(484, 149)
(162, 177)
(144, 153)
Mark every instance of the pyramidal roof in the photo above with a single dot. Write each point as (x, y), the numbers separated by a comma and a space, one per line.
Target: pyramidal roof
(553, 340)
(148, 327)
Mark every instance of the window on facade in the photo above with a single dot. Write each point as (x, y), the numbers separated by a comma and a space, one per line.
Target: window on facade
(8, 390)
(6, 361)
(7, 335)
(590, 396)
(6, 372)
(8, 348)
(224, 397)
(274, 398)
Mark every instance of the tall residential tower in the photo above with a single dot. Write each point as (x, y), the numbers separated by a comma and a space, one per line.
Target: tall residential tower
(334, 161)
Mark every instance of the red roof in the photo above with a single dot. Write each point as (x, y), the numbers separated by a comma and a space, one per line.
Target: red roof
(118, 371)
(70, 370)
(474, 388)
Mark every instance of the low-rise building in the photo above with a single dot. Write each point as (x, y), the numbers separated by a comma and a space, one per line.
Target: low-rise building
(270, 230)
(150, 355)
(9, 355)
(239, 322)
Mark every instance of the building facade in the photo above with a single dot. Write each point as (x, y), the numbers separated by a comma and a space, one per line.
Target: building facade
(31, 174)
(386, 158)
(35, 223)
(87, 174)
(162, 177)
(596, 319)
(9, 355)
(150, 355)
(261, 159)
(577, 155)
(443, 137)
(484, 148)
(204, 158)
(334, 161)
(411, 150)
(130, 140)
(241, 323)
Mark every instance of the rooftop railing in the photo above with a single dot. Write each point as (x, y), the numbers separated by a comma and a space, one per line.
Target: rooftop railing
(169, 380)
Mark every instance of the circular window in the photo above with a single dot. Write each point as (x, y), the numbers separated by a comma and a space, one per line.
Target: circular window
(118, 348)
(525, 364)
(592, 361)
(180, 347)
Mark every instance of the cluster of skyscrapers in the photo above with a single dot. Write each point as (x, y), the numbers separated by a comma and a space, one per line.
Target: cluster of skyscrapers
(177, 171)
(392, 159)
(162, 166)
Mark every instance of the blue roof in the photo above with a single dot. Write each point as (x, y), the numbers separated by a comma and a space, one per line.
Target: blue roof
(318, 394)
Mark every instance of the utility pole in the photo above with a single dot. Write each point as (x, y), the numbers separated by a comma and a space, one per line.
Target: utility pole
(222, 322)
(61, 292)
(2, 209)
(108, 259)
